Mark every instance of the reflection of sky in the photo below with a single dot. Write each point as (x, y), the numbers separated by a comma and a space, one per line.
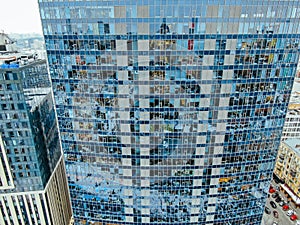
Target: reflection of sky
(295, 97)
(80, 176)
(296, 86)
(20, 16)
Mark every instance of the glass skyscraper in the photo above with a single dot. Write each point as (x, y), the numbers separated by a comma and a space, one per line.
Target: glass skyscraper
(170, 112)
(33, 182)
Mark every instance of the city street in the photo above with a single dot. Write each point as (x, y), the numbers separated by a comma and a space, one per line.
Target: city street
(282, 219)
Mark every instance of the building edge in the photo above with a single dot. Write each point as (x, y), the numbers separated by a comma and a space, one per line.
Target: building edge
(50, 206)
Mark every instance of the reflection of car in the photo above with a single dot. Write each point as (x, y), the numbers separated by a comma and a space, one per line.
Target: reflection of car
(275, 195)
(290, 212)
(293, 217)
(275, 213)
(267, 210)
(285, 207)
(273, 204)
(282, 203)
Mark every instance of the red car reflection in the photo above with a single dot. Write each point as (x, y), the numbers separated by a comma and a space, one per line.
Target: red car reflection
(272, 190)
(285, 207)
(293, 217)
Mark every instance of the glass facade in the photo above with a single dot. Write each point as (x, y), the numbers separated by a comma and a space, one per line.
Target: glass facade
(170, 112)
(28, 126)
(33, 182)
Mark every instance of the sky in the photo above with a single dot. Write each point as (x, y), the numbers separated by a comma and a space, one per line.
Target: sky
(20, 16)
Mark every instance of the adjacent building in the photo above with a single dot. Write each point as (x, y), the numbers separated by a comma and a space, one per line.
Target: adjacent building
(33, 183)
(287, 169)
(291, 128)
(170, 112)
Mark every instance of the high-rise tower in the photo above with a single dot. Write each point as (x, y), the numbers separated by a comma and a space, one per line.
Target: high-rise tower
(170, 112)
(33, 182)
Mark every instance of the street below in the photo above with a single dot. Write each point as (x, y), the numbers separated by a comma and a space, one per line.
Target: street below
(283, 219)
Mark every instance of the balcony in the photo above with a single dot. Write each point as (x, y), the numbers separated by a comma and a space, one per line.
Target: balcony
(279, 162)
(281, 156)
(293, 172)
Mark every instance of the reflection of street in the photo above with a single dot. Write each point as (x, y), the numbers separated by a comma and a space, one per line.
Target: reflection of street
(282, 219)
(267, 219)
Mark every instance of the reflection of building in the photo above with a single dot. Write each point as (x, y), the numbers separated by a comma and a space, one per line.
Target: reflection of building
(6, 43)
(291, 127)
(287, 168)
(168, 112)
(33, 184)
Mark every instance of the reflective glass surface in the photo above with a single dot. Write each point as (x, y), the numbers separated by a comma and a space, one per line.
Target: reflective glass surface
(170, 111)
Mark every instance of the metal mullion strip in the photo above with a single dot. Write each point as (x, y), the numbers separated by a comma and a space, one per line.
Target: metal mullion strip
(2, 216)
(32, 207)
(19, 209)
(46, 209)
(39, 208)
(12, 210)
(5, 211)
(27, 209)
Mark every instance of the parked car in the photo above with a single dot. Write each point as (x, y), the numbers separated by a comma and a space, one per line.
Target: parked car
(275, 214)
(290, 212)
(282, 203)
(298, 222)
(278, 199)
(285, 207)
(274, 223)
(267, 210)
(273, 204)
(272, 190)
(275, 195)
(293, 217)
